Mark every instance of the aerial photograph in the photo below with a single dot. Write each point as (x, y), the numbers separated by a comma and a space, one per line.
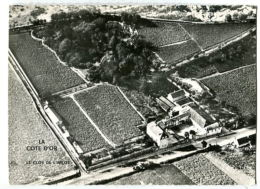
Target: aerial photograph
(132, 94)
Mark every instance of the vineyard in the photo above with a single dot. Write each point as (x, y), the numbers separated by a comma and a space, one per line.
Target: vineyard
(237, 88)
(173, 53)
(164, 33)
(235, 55)
(238, 160)
(208, 35)
(78, 126)
(26, 128)
(164, 175)
(202, 172)
(114, 116)
(41, 66)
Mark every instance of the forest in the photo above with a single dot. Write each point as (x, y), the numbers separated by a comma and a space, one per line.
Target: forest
(107, 45)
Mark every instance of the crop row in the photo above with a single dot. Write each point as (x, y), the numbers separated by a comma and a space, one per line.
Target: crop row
(41, 66)
(176, 52)
(236, 88)
(202, 172)
(78, 126)
(110, 111)
(164, 33)
(208, 35)
(26, 128)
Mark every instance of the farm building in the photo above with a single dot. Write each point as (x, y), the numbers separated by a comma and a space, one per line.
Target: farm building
(157, 134)
(214, 128)
(54, 117)
(164, 106)
(175, 96)
(240, 142)
(200, 117)
(184, 102)
(167, 102)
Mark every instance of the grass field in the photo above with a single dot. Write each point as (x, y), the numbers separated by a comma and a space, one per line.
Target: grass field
(237, 88)
(26, 128)
(208, 35)
(79, 127)
(164, 175)
(110, 111)
(41, 66)
(164, 33)
(202, 172)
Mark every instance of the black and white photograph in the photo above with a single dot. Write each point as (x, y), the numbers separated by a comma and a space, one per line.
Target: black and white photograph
(132, 94)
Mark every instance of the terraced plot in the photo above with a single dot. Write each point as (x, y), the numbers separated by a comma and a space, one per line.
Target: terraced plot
(110, 111)
(202, 172)
(26, 128)
(79, 127)
(165, 175)
(173, 53)
(237, 88)
(208, 35)
(41, 66)
(164, 33)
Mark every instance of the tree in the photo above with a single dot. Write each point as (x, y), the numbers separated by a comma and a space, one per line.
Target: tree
(143, 86)
(192, 132)
(112, 42)
(186, 135)
(64, 46)
(242, 17)
(228, 18)
(235, 16)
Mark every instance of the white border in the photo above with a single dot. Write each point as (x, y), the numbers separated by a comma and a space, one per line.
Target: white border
(4, 183)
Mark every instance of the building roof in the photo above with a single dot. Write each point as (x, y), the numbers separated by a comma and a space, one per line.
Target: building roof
(169, 123)
(243, 140)
(161, 125)
(154, 128)
(184, 101)
(162, 104)
(203, 114)
(177, 94)
(166, 101)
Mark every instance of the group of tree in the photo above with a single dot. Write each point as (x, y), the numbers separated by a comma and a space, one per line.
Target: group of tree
(236, 17)
(38, 21)
(90, 40)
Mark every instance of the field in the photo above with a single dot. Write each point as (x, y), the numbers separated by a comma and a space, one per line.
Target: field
(202, 172)
(164, 33)
(237, 88)
(173, 53)
(41, 66)
(243, 53)
(165, 175)
(208, 35)
(238, 160)
(107, 107)
(79, 127)
(26, 128)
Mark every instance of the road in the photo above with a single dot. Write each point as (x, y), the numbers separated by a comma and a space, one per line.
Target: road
(113, 172)
(34, 95)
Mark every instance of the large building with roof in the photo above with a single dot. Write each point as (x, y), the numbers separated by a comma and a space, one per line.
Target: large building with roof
(157, 134)
(177, 95)
(200, 117)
